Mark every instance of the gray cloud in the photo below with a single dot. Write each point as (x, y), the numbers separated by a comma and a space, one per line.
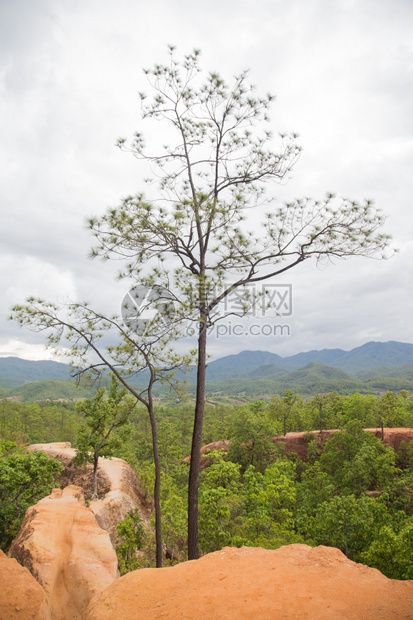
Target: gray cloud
(69, 78)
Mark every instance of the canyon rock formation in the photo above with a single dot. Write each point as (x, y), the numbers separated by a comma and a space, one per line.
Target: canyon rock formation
(63, 545)
(293, 582)
(66, 551)
(298, 442)
(221, 446)
(21, 597)
(119, 488)
(69, 547)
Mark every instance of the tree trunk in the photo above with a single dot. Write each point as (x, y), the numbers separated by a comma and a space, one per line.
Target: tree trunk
(157, 487)
(321, 418)
(193, 533)
(95, 475)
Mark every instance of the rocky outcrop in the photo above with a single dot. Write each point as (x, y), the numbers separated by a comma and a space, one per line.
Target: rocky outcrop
(119, 488)
(221, 446)
(393, 436)
(68, 547)
(124, 495)
(292, 582)
(298, 442)
(73, 474)
(64, 548)
(21, 597)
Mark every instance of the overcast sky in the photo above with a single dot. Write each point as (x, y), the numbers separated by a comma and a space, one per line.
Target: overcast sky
(70, 72)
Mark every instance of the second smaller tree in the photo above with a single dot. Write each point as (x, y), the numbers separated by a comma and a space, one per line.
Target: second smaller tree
(105, 413)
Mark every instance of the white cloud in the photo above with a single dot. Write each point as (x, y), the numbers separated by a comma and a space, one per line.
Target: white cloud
(18, 348)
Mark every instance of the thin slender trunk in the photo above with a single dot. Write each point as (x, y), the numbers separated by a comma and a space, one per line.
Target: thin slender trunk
(193, 533)
(95, 475)
(346, 541)
(157, 486)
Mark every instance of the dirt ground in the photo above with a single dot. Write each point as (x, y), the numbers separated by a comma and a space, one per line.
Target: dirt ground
(294, 582)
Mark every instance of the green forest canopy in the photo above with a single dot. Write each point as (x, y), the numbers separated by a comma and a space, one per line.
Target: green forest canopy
(354, 493)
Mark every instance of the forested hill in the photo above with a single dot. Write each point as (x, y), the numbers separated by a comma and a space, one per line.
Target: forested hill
(365, 357)
(372, 367)
(368, 356)
(19, 371)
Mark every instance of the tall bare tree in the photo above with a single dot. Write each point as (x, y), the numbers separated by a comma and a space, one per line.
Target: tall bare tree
(210, 174)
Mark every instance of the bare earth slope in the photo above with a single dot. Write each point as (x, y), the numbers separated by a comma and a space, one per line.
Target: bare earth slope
(67, 546)
(119, 488)
(296, 442)
(293, 582)
(66, 551)
(21, 597)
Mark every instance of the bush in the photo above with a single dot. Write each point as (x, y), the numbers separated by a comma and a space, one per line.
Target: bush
(25, 477)
(132, 535)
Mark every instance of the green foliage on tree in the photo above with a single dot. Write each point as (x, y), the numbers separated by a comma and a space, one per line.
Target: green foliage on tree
(315, 487)
(131, 533)
(171, 451)
(269, 504)
(357, 407)
(25, 477)
(288, 410)
(357, 461)
(404, 458)
(174, 513)
(220, 503)
(38, 422)
(392, 552)
(103, 415)
(251, 436)
(252, 508)
(391, 411)
(348, 523)
(398, 493)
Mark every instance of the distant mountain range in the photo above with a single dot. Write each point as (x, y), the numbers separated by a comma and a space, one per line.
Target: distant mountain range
(16, 371)
(368, 368)
(366, 357)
